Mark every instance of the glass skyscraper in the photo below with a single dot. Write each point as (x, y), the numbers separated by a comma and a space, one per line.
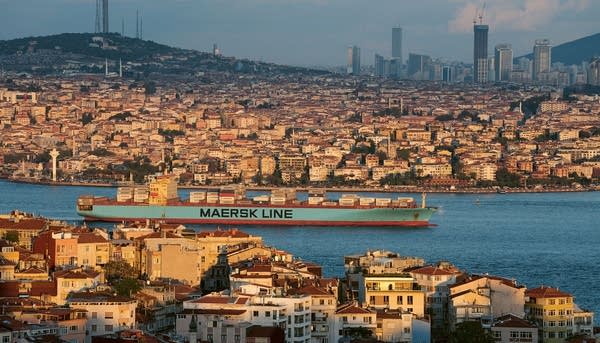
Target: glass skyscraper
(503, 60)
(480, 54)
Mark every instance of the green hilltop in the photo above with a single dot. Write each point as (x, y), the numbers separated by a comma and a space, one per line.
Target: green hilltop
(576, 51)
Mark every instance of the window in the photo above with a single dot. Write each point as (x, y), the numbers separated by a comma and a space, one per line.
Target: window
(108, 328)
(372, 299)
(237, 338)
(551, 323)
(409, 300)
(525, 334)
(255, 314)
(94, 328)
(399, 300)
(108, 315)
(514, 334)
(552, 313)
(386, 299)
(561, 301)
(552, 302)
(267, 314)
(209, 337)
(6, 339)
(73, 328)
(561, 334)
(223, 338)
(497, 334)
(406, 330)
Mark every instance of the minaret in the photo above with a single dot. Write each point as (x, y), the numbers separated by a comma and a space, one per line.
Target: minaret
(106, 67)
(74, 147)
(54, 154)
(120, 68)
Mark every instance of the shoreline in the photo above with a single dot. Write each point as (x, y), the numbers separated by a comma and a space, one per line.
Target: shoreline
(390, 189)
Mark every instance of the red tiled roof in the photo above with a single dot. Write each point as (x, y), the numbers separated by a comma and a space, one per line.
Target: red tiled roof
(512, 321)
(546, 292)
(89, 237)
(352, 309)
(234, 233)
(23, 224)
(72, 274)
(225, 312)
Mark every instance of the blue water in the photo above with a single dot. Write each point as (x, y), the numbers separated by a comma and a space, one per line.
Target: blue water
(544, 238)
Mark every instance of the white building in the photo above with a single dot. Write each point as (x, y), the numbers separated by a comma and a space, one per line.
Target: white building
(107, 313)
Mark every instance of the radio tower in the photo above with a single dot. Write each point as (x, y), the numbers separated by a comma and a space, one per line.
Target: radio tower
(98, 9)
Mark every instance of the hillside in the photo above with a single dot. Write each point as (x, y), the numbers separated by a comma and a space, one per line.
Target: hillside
(575, 52)
(86, 52)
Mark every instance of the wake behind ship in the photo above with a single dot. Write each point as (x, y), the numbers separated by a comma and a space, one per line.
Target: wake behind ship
(229, 206)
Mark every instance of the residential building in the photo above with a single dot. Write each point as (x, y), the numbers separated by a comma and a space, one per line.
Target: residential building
(484, 297)
(510, 328)
(542, 59)
(107, 313)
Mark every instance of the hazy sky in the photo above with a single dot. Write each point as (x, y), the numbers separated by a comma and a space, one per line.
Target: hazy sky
(315, 32)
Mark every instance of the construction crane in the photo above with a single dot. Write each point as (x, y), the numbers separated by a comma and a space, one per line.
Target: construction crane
(479, 14)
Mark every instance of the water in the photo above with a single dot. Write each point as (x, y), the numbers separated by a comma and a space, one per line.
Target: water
(544, 238)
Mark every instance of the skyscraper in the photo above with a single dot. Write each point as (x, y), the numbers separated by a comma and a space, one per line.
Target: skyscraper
(480, 53)
(418, 66)
(503, 59)
(542, 58)
(397, 43)
(593, 75)
(447, 74)
(379, 65)
(353, 66)
(105, 16)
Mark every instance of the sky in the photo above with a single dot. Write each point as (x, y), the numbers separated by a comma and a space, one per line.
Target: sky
(315, 32)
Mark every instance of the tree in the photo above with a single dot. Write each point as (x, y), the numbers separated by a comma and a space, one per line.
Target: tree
(127, 287)
(506, 178)
(115, 270)
(470, 332)
(12, 236)
(149, 87)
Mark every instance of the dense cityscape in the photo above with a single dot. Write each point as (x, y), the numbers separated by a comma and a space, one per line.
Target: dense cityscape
(106, 110)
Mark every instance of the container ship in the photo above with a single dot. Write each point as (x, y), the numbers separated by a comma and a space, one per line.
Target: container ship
(230, 206)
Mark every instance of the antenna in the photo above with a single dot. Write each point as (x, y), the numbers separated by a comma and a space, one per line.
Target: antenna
(142, 28)
(122, 27)
(137, 24)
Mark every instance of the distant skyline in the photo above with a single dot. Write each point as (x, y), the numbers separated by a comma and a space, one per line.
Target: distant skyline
(315, 32)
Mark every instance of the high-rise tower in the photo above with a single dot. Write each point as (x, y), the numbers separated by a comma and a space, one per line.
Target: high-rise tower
(397, 43)
(503, 59)
(97, 26)
(105, 16)
(353, 66)
(480, 53)
(542, 58)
